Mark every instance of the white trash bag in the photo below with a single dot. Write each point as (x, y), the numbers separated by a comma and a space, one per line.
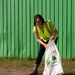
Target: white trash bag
(53, 65)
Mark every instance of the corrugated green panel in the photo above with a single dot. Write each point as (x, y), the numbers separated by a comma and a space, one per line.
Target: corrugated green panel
(48, 9)
(44, 8)
(69, 27)
(32, 35)
(28, 29)
(1, 29)
(64, 20)
(17, 20)
(8, 22)
(20, 28)
(12, 27)
(56, 16)
(5, 29)
(73, 28)
(60, 46)
(24, 29)
(16, 29)
(52, 10)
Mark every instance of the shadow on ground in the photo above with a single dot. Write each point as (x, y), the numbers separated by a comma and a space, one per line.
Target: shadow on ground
(68, 74)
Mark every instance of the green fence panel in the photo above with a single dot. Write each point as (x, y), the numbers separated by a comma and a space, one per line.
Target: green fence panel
(17, 21)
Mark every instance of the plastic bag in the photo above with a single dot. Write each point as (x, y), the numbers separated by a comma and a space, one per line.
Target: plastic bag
(53, 65)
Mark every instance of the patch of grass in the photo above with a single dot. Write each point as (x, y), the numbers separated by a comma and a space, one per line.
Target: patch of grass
(67, 64)
(14, 62)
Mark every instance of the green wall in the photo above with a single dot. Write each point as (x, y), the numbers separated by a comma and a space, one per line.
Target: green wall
(16, 23)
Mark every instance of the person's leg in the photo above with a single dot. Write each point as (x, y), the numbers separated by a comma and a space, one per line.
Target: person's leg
(38, 60)
(40, 54)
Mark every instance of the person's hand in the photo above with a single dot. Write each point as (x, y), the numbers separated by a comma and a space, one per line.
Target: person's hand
(52, 38)
(45, 45)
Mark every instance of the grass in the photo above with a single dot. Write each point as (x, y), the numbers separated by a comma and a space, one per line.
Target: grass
(13, 62)
(68, 64)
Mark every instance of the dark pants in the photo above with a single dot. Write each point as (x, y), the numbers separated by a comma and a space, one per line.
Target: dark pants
(41, 53)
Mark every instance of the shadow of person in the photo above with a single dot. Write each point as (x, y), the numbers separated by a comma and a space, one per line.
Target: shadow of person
(68, 74)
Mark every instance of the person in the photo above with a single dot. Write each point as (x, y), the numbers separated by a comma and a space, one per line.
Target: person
(43, 31)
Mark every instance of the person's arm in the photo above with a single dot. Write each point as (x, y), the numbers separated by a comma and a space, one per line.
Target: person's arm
(55, 32)
(38, 39)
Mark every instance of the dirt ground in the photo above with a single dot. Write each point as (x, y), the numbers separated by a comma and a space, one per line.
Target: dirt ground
(10, 71)
(17, 67)
(22, 71)
(13, 71)
(24, 67)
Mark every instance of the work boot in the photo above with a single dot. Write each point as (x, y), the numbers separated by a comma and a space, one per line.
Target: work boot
(34, 72)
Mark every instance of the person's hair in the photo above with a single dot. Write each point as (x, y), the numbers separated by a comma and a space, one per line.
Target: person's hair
(38, 16)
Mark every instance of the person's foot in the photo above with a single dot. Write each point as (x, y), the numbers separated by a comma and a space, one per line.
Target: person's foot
(34, 72)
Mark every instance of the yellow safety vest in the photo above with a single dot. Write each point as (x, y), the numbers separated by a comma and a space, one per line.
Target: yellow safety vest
(43, 32)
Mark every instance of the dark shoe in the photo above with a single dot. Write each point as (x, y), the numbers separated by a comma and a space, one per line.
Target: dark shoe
(34, 72)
